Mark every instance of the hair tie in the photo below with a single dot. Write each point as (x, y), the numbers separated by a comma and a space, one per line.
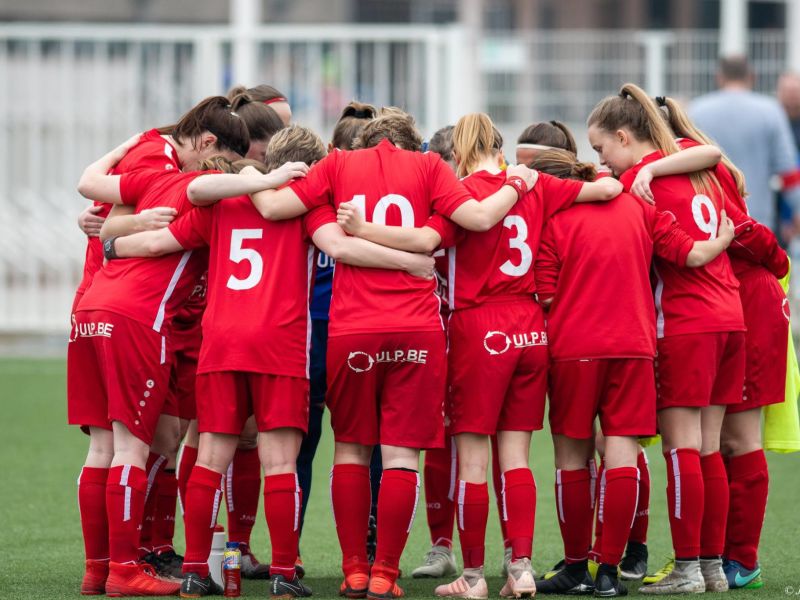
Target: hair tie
(276, 99)
(360, 114)
(235, 115)
(661, 100)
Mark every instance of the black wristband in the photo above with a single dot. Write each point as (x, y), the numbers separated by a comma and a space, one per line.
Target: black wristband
(109, 249)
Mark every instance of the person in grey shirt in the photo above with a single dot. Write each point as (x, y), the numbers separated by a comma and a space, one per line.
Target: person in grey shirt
(753, 130)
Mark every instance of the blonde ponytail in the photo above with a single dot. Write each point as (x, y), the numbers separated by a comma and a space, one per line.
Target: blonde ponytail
(474, 139)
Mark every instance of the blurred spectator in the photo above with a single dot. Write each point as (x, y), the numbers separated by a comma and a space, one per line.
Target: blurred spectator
(789, 97)
(754, 132)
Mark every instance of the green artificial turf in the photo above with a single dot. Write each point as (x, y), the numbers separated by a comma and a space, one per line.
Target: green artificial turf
(42, 551)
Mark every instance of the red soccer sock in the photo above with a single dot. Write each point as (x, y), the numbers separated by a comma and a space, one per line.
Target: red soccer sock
(715, 505)
(519, 510)
(397, 504)
(351, 500)
(749, 482)
(685, 500)
(439, 473)
(92, 505)
(203, 495)
(497, 483)
(155, 465)
(575, 512)
(282, 501)
(125, 490)
(164, 524)
(642, 518)
(619, 508)
(243, 485)
(473, 512)
(599, 494)
(188, 458)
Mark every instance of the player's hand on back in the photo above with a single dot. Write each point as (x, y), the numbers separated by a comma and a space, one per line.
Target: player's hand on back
(641, 185)
(529, 176)
(726, 228)
(421, 265)
(287, 172)
(89, 222)
(350, 218)
(155, 218)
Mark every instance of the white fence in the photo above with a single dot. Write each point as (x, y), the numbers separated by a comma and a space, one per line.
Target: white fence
(71, 92)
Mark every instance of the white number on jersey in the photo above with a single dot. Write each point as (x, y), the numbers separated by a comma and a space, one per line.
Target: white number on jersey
(379, 214)
(710, 226)
(518, 243)
(238, 254)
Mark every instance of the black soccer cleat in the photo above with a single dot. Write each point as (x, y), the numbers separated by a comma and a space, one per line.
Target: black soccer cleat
(194, 586)
(634, 563)
(607, 585)
(280, 587)
(570, 581)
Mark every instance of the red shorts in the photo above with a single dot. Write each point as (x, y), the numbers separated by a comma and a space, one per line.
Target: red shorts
(226, 399)
(766, 315)
(700, 369)
(185, 345)
(388, 388)
(117, 370)
(621, 391)
(497, 368)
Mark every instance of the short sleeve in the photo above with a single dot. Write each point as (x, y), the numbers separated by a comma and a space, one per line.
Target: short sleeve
(193, 229)
(450, 233)
(447, 193)
(316, 188)
(322, 215)
(557, 194)
(133, 185)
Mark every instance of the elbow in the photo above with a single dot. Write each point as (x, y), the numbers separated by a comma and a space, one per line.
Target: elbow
(715, 154)
(482, 223)
(85, 186)
(335, 249)
(611, 190)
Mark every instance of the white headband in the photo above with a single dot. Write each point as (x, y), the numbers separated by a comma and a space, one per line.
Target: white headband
(535, 147)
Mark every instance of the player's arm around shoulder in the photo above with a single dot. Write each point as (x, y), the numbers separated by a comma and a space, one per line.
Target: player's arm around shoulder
(411, 239)
(122, 220)
(146, 244)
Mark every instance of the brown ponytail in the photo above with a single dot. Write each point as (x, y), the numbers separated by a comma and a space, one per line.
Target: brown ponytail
(294, 144)
(391, 124)
(350, 124)
(474, 139)
(634, 110)
(220, 163)
(563, 164)
(553, 133)
(682, 126)
(215, 115)
(262, 122)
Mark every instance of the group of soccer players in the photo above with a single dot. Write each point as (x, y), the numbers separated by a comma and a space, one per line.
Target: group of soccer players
(467, 295)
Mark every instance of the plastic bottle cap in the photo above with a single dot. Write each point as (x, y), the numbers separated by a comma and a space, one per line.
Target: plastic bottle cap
(232, 545)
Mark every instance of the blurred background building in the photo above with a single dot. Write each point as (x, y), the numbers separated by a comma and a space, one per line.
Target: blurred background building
(82, 75)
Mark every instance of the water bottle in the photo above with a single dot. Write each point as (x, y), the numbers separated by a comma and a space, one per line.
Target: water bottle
(215, 557)
(232, 570)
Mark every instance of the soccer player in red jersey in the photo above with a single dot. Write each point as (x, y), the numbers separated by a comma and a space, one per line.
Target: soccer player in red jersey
(238, 373)
(603, 361)
(766, 314)
(497, 355)
(386, 352)
(700, 328)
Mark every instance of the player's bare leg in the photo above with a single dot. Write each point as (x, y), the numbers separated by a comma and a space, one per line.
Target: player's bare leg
(472, 511)
(519, 511)
(351, 501)
(92, 505)
(575, 510)
(682, 439)
(741, 446)
(278, 450)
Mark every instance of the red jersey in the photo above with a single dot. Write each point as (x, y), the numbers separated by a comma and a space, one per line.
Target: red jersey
(701, 300)
(152, 152)
(259, 278)
(598, 255)
(755, 247)
(149, 290)
(392, 187)
(497, 264)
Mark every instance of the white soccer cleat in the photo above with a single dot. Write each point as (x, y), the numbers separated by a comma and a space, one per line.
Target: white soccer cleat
(470, 585)
(713, 575)
(506, 561)
(685, 578)
(520, 581)
(439, 562)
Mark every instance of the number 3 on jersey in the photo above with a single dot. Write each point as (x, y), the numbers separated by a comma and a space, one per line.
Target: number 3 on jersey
(517, 242)
(239, 254)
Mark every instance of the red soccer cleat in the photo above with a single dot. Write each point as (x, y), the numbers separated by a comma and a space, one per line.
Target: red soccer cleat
(137, 580)
(94, 579)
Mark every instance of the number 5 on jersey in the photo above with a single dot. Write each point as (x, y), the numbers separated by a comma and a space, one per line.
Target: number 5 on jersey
(239, 254)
